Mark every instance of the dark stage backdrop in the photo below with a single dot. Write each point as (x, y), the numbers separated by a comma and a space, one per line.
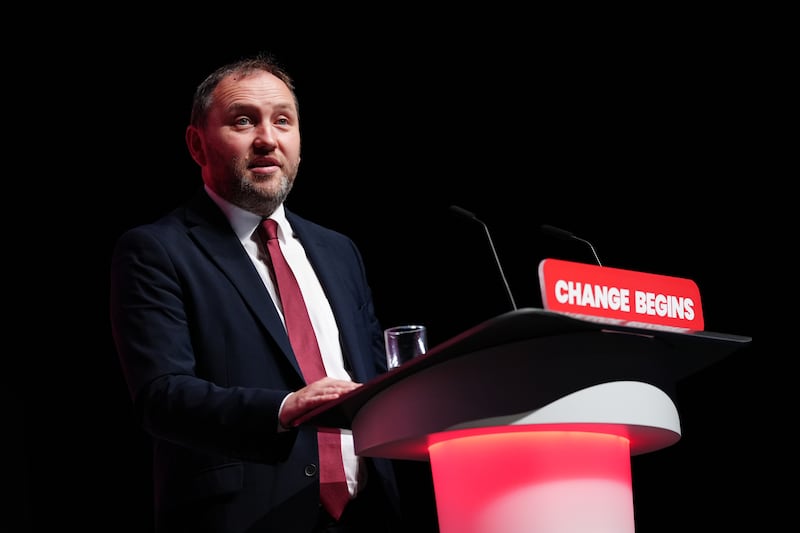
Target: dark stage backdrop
(636, 143)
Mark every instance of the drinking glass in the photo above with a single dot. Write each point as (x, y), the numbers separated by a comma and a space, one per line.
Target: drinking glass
(404, 343)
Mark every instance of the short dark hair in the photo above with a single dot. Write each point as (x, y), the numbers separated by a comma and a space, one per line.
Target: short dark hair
(203, 95)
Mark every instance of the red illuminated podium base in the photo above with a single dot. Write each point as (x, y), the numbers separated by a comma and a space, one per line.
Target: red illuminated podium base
(529, 420)
(550, 481)
(564, 467)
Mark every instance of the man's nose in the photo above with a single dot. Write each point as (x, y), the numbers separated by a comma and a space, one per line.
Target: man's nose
(264, 136)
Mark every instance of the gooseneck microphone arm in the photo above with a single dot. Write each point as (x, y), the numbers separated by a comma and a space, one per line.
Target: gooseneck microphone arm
(464, 213)
(564, 234)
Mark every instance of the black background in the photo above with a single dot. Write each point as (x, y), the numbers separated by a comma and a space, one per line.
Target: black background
(634, 137)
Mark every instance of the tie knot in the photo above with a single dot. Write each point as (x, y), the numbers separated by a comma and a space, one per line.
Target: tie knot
(271, 227)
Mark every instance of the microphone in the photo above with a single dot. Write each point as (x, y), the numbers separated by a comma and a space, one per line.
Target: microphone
(564, 234)
(464, 213)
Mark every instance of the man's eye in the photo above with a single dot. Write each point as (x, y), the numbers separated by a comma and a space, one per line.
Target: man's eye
(243, 121)
(282, 121)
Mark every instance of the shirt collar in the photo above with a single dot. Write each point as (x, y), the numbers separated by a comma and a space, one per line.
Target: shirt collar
(244, 222)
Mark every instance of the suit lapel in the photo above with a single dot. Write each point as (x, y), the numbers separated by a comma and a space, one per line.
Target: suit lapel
(212, 232)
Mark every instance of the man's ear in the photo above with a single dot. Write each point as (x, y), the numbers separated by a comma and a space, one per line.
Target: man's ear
(194, 142)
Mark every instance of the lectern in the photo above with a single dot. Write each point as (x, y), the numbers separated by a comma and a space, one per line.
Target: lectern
(529, 420)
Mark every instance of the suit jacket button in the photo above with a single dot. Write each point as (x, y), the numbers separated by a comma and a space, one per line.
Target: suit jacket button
(310, 470)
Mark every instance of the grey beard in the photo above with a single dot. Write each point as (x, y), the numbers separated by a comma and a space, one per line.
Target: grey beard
(251, 198)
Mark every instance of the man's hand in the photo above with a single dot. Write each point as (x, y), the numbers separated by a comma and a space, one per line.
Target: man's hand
(301, 401)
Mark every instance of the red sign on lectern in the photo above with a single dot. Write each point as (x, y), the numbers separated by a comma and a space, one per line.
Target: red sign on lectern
(620, 297)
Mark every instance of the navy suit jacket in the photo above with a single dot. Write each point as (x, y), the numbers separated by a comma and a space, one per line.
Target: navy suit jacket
(207, 363)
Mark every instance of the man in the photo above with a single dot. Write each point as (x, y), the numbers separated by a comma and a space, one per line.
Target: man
(198, 323)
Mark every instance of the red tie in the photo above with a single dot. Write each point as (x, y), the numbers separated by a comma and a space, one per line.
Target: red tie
(333, 484)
